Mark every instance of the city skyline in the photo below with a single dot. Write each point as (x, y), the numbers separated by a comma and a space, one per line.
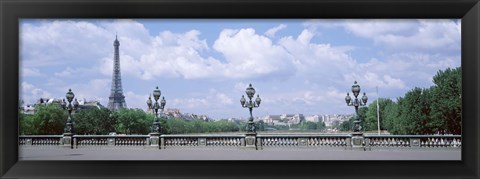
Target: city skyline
(204, 66)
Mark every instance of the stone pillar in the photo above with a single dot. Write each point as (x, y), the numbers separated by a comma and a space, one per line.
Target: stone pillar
(67, 140)
(415, 142)
(251, 141)
(358, 141)
(111, 141)
(155, 140)
(302, 142)
(28, 141)
(202, 142)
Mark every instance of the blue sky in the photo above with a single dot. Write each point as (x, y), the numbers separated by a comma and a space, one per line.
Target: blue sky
(203, 66)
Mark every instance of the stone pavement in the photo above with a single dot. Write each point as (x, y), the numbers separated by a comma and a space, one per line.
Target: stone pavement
(124, 153)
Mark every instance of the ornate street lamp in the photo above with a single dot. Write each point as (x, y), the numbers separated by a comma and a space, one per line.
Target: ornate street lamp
(69, 130)
(155, 107)
(356, 103)
(250, 91)
(69, 125)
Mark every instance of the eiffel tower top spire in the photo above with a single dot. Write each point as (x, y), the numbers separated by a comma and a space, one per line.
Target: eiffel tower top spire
(116, 100)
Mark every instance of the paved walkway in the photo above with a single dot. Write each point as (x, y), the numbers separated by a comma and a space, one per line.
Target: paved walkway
(55, 153)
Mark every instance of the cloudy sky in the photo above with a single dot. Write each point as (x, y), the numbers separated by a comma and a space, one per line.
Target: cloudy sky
(203, 66)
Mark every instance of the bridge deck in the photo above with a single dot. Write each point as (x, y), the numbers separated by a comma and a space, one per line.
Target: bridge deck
(119, 153)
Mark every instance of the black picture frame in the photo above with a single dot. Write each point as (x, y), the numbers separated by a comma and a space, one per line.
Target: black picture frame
(12, 10)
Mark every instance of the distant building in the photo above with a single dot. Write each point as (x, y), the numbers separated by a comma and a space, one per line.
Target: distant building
(28, 109)
(293, 118)
(235, 120)
(82, 105)
(271, 119)
(313, 118)
(175, 113)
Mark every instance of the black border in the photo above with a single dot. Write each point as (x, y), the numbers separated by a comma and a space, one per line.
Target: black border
(12, 10)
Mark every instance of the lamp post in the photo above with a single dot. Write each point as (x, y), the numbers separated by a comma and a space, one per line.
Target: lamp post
(156, 95)
(250, 137)
(156, 128)
(250, 105)
(356, 103)
(357, 137)
(69, 130)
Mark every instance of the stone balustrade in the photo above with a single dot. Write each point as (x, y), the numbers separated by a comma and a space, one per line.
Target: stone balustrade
(41, 140)
(203, 140)
(303, 140)
(109, 140)
(262, 141)
(413, 141)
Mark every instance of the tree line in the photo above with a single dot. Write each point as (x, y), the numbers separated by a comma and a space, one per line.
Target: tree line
(433, 110)
(49, 119)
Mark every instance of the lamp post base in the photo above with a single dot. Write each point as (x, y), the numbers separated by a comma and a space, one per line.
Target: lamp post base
(154, 141)
(251, 141)
(67, 140)
(358, 141)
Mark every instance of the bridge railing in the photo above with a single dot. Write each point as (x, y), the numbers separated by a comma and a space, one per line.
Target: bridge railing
(41, 140)
(303, 140)
(413, 141)
(263, 141)
(203, 140)
(110, 140)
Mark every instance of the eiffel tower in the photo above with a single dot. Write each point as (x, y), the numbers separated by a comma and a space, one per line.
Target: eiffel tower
(116, 100)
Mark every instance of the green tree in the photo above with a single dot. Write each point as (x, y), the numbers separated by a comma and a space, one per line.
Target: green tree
(132, 121)
(261, 125)
(95, 121)
(321, 125)
(362, 114)
(391, 115)
(347, 125)
(26, 124)
(447, 105)
(371, 121)
(308, 126)
(50, 119)
(414, 112)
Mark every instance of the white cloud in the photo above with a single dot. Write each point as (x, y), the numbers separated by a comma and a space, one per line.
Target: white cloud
(271, 32)
(223, 99)
(30, 72)
(74, 72)
(61, 42)
(93, 89)
(443, 34)
(31, 93)
(249, 54)
(134, 100)
(378, 27)
(407, 35)
(189, 103)
(317, 61)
